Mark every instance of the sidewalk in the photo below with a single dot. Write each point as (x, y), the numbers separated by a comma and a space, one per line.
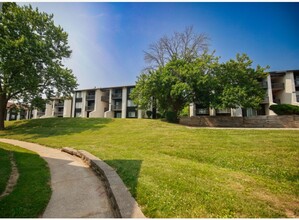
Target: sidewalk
(76, 191)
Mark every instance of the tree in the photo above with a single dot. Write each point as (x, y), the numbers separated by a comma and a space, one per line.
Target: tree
(31, 54)
(185, 45)
(237, 84)
(167, 84)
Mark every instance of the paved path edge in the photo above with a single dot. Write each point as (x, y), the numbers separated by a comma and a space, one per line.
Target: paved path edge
(122, 202)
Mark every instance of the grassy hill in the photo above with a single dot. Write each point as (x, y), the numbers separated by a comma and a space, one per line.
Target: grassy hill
(175, 171)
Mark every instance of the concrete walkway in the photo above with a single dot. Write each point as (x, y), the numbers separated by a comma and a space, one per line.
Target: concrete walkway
(76, 191)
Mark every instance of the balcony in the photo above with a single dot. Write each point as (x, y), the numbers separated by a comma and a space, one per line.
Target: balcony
(265, 100)
(264, 84)
(277, 86)
(59, 104)
(89, 108)
(116, 107)
(105, 98)
(58, 114)
(90, 97)
(116, 95)
(277, 101)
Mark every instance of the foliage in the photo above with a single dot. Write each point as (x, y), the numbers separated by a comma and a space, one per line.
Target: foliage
(237, 84)
(285, 109)
(227, 85)
(32, 192)
(171, 117)
(31, 54)
(185, 111)
(149, 114)
(174, 171)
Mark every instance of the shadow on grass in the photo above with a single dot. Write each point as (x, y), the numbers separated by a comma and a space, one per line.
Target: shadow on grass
(129, 171)
(32, 191)
(46, 127)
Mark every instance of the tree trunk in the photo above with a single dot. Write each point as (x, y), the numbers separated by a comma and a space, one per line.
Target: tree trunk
(3, 103)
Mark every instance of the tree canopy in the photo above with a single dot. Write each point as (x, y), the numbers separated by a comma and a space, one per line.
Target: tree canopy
(31, 56)
(203, 80)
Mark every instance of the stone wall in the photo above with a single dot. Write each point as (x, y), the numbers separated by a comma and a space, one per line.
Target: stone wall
(287, 121)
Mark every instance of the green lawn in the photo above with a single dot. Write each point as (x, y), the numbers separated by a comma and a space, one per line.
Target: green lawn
(32, 192)
(174, 171)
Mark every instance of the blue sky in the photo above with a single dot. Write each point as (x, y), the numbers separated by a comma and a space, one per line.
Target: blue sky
(108, 39)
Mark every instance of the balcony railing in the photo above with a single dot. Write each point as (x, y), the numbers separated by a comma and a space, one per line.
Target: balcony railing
(277, 101)
(116, 95)
(264, 84)
(202, 111)
(265, 100)
(104, 98)
(277, 86)
(90, 97)
(59, 104)
(89, 108)
(58, 113)
(116, 107)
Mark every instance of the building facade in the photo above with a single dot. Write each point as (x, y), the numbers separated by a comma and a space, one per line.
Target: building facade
(109, 102)
(15, 111)
(56, 107)
(281, 87)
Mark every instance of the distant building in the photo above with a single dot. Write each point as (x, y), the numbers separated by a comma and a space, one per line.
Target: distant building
(56, 107)
(16, 111)
(109, 102)
(282, 87)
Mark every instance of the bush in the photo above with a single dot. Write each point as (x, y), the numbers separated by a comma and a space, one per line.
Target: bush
(185, 111)
(158, 115)
(285, 109)
(171, 117)
(149, 114)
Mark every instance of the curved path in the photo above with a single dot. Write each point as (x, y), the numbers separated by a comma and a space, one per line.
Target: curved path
(76, 191)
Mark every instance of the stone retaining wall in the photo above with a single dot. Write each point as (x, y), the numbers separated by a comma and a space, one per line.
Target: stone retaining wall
(122, 202)
(287, 121)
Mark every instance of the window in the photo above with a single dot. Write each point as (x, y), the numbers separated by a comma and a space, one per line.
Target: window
(78, 114)
(78, 105)
(79, 94)
(131, 103)
(118, 115)
(132, 114)
(224, 111)
(202, 111)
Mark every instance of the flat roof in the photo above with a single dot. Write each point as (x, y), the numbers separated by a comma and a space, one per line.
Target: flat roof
(103, 88)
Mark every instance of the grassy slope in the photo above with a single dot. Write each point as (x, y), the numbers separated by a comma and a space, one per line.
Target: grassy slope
(174, 171)
(5, 168)
(32, 192)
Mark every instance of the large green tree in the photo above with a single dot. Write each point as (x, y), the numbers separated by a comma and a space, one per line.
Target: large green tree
(238, 84)
(31, 52)
(176, 84)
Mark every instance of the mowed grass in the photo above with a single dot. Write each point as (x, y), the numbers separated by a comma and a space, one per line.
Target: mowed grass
(32, 192)
(175, 171)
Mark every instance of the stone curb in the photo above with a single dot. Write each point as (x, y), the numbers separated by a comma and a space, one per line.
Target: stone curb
(122, 202)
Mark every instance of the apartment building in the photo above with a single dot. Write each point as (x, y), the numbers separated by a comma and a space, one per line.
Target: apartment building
(16, 111)
(281, 87)
(56, 107)
(109, 102)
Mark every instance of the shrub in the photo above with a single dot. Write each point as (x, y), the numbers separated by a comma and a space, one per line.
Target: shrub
(185, 111)
(158, 115)
(149, 114)
(171, 117)
(285, 109)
